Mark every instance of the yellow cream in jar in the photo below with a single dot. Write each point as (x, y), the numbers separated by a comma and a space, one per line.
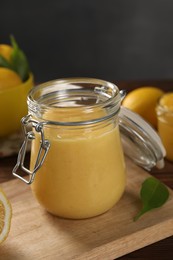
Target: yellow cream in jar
(165, 123)
(84, 172)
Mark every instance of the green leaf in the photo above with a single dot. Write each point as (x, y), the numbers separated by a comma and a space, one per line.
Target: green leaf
(19, 61)
(153, 195)
(4, 63)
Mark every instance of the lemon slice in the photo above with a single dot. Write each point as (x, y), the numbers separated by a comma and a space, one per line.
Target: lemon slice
(5, 216)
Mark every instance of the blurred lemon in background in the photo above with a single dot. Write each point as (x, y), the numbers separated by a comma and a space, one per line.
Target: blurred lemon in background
(5, 51)
(143, 101)
(167, 101)
(15, 82)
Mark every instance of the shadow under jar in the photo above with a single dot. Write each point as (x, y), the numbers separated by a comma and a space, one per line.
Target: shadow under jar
(77, 167)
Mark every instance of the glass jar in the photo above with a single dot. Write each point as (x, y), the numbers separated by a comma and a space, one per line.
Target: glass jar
(165, 122)
(77, 167)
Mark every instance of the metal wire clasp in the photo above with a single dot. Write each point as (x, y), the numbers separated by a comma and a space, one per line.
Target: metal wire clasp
(43, 150)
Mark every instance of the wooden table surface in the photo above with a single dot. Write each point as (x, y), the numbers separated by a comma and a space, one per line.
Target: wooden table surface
(160, 250)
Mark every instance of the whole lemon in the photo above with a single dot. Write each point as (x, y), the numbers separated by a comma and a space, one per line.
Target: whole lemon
(5, 51)
(16, 80)
(143, 101)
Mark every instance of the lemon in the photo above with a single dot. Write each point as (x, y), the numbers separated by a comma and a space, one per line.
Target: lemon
(167, 101)
(5, 51)
(5, 216)
(143, 101)
(8, 79)
(15, 83)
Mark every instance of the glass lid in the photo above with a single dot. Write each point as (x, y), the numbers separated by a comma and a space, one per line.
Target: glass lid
(140, 141)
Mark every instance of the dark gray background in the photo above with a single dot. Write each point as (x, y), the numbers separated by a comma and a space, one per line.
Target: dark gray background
(112, 40)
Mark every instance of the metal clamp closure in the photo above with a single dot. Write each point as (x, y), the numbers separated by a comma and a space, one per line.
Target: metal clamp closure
(42, 153)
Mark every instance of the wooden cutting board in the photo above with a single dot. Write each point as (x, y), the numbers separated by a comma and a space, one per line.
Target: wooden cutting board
(36, 234)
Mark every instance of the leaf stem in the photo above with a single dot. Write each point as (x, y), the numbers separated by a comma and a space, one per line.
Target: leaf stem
(141, 212)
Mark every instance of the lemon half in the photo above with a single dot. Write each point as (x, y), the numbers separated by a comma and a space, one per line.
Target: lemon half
(5, 216)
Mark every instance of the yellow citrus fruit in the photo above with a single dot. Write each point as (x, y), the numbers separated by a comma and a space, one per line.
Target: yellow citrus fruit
(5, 216)
(8, 79)
(5, 51)
(167, 101)
(143, 101)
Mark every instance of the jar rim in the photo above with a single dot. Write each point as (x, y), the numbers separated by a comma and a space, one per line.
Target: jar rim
(107, 92)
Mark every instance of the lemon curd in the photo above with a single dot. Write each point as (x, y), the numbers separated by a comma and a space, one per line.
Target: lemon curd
(77, 167)
(165, 123)
(84, 171)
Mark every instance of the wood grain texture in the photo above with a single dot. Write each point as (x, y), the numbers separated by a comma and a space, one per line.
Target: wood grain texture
(161, 250)
(36, 234)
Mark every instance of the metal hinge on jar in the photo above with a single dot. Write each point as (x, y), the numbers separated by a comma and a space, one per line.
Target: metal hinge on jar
(42, 153)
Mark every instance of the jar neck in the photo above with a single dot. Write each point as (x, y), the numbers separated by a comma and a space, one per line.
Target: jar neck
(76, 101)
